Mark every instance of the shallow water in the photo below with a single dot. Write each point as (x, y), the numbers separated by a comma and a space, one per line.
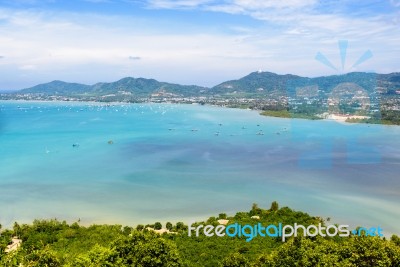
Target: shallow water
(188, 162)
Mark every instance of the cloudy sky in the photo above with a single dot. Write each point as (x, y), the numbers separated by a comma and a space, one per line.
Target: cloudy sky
(200, 42)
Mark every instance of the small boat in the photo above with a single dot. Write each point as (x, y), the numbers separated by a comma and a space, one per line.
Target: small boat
(75, 145)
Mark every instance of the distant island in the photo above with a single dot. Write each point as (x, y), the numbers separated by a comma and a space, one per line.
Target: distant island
(352, 97)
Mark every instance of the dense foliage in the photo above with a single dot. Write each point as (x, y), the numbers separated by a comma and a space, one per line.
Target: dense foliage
(289, 114)
(55, 243)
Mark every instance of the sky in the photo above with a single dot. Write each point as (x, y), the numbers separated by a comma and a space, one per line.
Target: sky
(202, 42)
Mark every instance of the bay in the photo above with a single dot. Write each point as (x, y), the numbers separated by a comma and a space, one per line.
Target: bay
(141, 163)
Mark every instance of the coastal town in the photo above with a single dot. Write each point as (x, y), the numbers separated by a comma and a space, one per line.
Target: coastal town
(356, 108)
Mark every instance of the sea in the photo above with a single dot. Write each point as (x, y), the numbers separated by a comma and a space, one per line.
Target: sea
(135, 164)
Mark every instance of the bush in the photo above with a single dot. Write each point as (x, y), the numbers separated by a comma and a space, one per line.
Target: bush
(157, 226)
(168, 226)
(274, 206)
(235, 260)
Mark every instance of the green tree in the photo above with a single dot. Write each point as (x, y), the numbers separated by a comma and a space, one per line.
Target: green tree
(42, 258)
(168, 226)
(254, 206)
(126, 230)
(274, 206)
(222, 216)
(255, 210)
(98, 256)
(180, 226)
(395, 239)
(16, 229)
(157, 226)
(304, 252)
(364, 251)
(147, 249)
(235, 260)
(12, 259)
(264, 260)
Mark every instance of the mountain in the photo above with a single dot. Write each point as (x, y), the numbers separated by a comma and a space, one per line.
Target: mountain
(272, 84)
(260, 83)
(256, 84)
(57, 88)
(373, 97)
(144, 87)
(138, 87)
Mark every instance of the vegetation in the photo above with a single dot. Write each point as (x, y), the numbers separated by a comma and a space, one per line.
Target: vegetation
(288, 114)
(55, 243)
(386, 117)
(287, 96)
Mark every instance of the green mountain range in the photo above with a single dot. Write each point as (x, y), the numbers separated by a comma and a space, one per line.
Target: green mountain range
(138, 87)
(254, 84)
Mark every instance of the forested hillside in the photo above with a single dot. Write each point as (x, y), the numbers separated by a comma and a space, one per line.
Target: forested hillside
(56, 243)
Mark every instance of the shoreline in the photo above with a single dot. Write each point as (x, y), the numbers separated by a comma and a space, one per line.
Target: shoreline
(333, 117)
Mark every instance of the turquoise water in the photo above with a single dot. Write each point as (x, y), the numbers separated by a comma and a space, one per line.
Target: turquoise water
(189, 162)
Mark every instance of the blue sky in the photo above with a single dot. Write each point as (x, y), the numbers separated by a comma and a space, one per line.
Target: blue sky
(202, 42)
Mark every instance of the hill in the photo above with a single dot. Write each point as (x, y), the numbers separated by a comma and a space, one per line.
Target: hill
(56, 243)
(256, 84)
(57, 88)
(370, 97)
(137, 87)
(268, 83)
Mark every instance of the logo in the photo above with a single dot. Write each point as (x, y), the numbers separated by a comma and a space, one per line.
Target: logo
(280, 230)
(343, 44)
(346, 97)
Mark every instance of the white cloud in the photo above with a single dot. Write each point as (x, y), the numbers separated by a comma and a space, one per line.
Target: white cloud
(231, 6)
(63, 47)
(28, 67)
(84, 47)
(300, 14)
(395, 3)
(179, 4)
(267, 4)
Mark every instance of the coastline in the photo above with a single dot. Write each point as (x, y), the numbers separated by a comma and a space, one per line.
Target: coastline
(347, 119)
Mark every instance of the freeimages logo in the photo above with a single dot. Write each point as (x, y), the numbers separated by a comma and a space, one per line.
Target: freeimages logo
(280, 230)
